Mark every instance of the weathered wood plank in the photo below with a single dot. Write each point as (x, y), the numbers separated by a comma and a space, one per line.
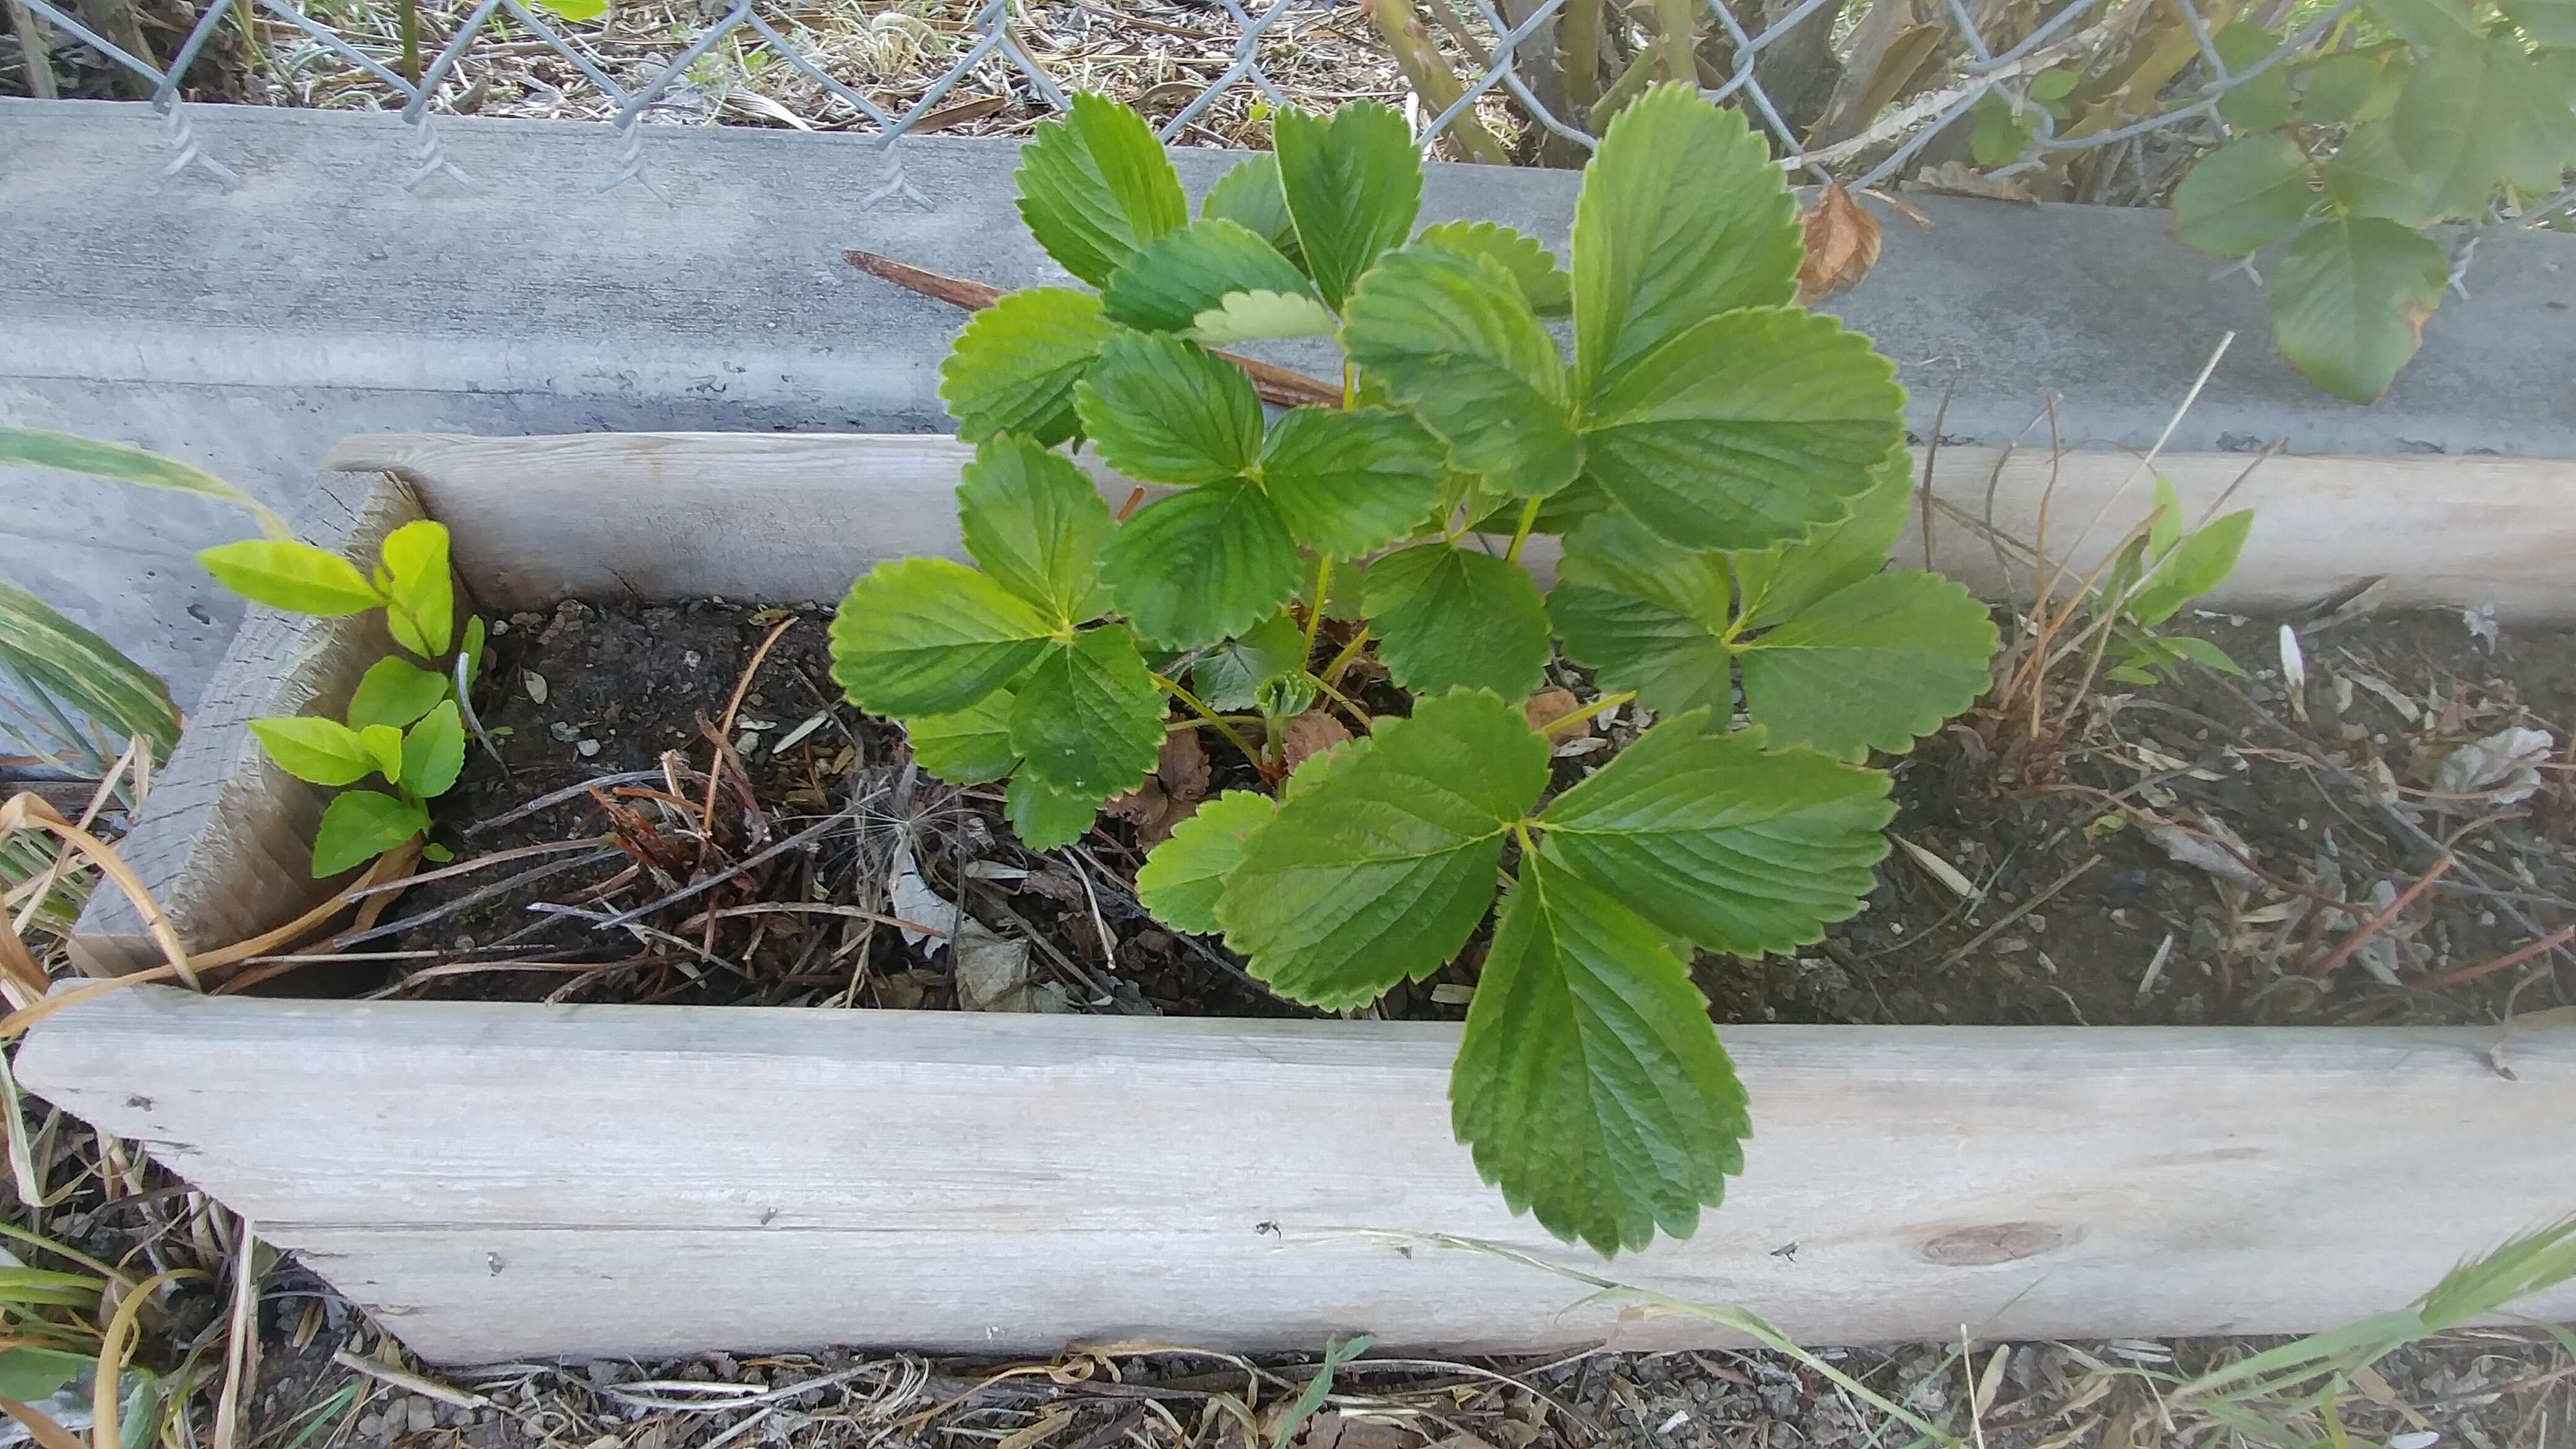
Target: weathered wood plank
(791, 518)
(504, 1179)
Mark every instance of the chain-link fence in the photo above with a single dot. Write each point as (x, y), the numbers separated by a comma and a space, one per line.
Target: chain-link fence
(2100, 99)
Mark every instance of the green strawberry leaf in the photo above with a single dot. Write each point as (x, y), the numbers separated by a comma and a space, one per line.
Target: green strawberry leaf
(1046, 818)
(1183, 876)
(1589, 1084)
(1169, 411)
(1089, 719)
(295, 577)
(1014, 365)
(1747, 429)
(1350, 483)
(1449, 617)
(1257, 315)
(969, 747)
(1683, 216)
(931, 636)
(1383, 869)
(1712, 837)
(1875, 666)
(1034, 523)
(2243, 196)
(1353, 183)
(1782, 581)
(421, 603)
(1225, 677)
(1453, 339)
(322, 751)
(1251, 197)
(1547, 287)
(1201, 564)
(1647, 615)
(2350, 300)
(433, 752)
(1172, 281)
(394, 692)
(1096, 188)
(358, 826)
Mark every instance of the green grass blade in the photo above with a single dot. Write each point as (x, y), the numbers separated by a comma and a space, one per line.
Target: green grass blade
(37, 448)
(61, 661)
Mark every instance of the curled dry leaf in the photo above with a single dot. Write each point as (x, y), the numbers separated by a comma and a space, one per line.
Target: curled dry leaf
(1555, 704)
(1309, 735)
(1842, 244)
(1171, 794)
(1958, 178)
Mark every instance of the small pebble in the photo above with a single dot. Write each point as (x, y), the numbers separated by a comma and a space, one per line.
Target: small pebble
(587, 748)
(536, 684)
(371, 1427)
(423, 1416)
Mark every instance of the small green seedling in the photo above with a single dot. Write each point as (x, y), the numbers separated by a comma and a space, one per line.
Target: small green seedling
(2154, 577)
(1726, 469)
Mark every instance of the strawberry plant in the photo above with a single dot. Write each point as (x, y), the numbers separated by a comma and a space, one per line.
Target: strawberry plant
(1727, 471)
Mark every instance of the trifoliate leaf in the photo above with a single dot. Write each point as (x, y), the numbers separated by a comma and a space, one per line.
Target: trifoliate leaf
(1683, 215)
(1034, 523)
(1589, 1084)
(1350, 483)
(1353, 182)
(359, 825)
(2350, 300)
(1453, 339)
(1176, 278)
(1255, 316)
(311, 748)
(1449, 617)
(1250, 196)
(1750, 428)
(2243, 196)
(420, 597)
(1015, 364)
(433, 752)
(1096, 187)
(1183, 876)
(296, 577)
(1737, 848)
(1646, 614)
(1548, 288)
(1046, 818)
(1779, 582)
(1875, 666)
(1384, 869)
(394, 692)
(1225, 677)
(1089, 719)
(931, 636)
(970, 746)
(1201, 565)
(1169, 411)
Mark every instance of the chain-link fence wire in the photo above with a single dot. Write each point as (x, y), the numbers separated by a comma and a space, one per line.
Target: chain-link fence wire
(900, 69)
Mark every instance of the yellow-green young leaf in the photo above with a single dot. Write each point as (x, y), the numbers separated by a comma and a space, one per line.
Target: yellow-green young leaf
(1731, 846)
(1015, 364)
(1547, 287)
(1590, 1085)
(1351, 482)
(384, 744)
(421, 608)
(296, 577)
(37, 448)
(2165, 530)
(1353, 184)
(1647, 615)
(1683, 216)
(1251, 197)
(2350, 300)
(2262, 101)
(1169, 411)
(1183, 876)
(2242, 196)
(1095, 188)
(1452, 338)
(577, 11)
(310, 747)
(1750, 428)
(1449, 617)
(1255, 315)
(1875, 666)
(1225, 676)
(394, 692)
(2196, 565)
(969, 747)
(472, 648)
(358, 826)
(1089, 719)
(1034, 522)
(84, 672)
(1383, 869)
(1201, 565)
(931, 636)
(1169, 283)
(433, 752)
(1045, 818)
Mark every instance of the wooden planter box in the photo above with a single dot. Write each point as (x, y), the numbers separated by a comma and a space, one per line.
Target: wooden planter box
(497, 1180)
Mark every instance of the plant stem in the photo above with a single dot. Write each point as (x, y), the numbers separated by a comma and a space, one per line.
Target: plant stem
(1315, 612)
(1358, 715)
(407, 21)
(1332, 674)
(1579, 57)
(1604, 703)
(1520, 535)
(1191, 703)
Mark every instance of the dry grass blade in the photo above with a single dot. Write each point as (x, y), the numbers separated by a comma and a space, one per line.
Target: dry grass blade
(115, 1346)
(40, 1426)
(241, 1343)
(409, 1382)
(29, 810)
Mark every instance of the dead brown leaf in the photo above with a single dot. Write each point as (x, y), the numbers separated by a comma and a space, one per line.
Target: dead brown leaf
(1183, 768)
(1842, 244)
(1958, 178)
(1309, 735)
(1170, 795)
(1555, 704)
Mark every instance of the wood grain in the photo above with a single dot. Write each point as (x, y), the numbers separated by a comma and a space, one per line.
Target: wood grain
(500, 1179)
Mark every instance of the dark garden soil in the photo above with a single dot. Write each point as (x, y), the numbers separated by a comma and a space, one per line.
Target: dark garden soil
(2206, 850)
